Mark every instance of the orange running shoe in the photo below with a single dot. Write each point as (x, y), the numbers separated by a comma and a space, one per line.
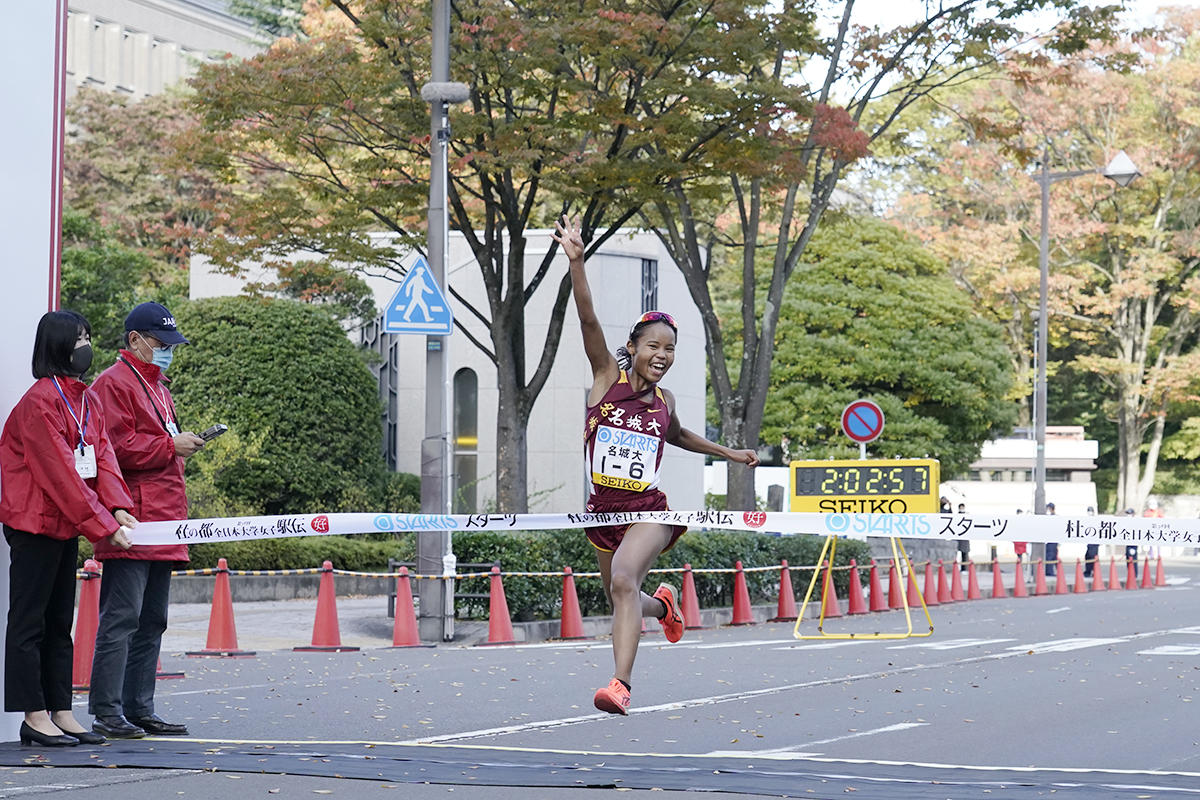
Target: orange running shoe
(613, 698)
(672, 621)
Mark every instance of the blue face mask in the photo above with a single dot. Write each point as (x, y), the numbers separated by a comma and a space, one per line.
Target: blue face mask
(162, 357)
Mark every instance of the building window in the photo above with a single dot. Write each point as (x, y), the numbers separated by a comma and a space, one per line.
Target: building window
(649, 284)
(466, 441)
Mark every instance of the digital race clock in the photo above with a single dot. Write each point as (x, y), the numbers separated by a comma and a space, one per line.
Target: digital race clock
(876, 486)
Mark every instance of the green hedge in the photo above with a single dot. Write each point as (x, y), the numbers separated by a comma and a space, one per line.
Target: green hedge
(547, 551)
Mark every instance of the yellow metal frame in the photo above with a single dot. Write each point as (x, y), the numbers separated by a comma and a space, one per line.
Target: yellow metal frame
(830, 546)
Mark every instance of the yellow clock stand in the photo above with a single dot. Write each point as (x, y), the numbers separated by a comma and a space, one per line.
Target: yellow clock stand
(898, 557)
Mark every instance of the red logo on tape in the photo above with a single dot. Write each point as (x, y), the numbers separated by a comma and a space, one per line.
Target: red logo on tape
(755, 519)
(320, 524)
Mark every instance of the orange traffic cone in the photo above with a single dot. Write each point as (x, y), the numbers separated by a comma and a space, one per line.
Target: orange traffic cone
(500, 629)
(1039, 581)
(875, 599)
(222, 633)
(1080, 582)
(943, 584)
(829, 600)
(1060, 585)
(914, 591)
(1019, 580)
(973, 592)
(931, 593)
(689, 602)
(1130, 574)
(571, 626)
(1098, 576)
(895, 594)
(742, 614)
(405, 632)
(998, 589)
(326, 637)
(1160, 579)
(956, 590)
(1147, 583)
(86, 622)
(785, 610)
(858, 604)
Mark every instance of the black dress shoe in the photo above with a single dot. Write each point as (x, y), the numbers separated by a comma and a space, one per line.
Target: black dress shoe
(31, 736)
(86, 737)
(117, 727)
(159, 727)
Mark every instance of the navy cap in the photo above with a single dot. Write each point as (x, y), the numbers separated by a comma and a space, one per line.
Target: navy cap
(154, 319)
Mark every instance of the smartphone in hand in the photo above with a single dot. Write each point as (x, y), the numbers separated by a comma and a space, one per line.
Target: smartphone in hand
(213, 432)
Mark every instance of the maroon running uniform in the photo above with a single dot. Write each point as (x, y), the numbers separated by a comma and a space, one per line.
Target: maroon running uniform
(625, 436)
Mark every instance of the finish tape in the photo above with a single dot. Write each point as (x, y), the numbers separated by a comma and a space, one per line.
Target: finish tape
(1022, 528)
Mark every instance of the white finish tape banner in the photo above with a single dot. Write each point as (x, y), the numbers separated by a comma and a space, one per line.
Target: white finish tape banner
(1023, 528)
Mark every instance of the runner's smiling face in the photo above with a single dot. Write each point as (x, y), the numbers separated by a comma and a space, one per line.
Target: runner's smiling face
(653, 351)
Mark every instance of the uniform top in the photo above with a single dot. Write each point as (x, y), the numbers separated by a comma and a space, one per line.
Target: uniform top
(624, 436)
(139, 413)
(42, 492)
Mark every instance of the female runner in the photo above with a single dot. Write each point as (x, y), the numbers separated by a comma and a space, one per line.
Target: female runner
(628, 418)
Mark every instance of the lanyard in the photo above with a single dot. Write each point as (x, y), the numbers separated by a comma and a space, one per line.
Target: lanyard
(87, 412)
(162, 396)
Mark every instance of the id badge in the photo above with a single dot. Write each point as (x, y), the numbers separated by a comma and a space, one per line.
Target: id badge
(85, 461)
(172, 429)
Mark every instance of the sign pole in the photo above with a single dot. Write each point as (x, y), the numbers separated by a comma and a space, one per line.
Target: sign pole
(436, 622)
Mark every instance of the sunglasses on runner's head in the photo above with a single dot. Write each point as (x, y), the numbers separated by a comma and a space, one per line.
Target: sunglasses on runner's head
(656, 316)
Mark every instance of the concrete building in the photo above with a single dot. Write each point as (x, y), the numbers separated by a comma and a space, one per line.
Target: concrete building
(631, 274)
(140, 47)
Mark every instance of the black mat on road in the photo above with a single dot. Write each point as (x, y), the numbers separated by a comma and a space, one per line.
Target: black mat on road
(462, 766)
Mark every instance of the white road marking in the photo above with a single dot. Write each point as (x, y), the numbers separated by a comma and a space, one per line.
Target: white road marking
(795, 752)
(1172, 650)
(750, 643)
(949, 644)
(1066, 645)
(1058, 610)
(826, 645)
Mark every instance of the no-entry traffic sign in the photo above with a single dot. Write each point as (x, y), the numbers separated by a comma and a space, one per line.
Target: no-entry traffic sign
(862, 421)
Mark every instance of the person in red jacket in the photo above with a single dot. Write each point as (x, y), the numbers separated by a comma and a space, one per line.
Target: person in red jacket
(59, 479)
(144, 426)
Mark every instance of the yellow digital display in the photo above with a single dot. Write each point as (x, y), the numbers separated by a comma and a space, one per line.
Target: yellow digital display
(875, 486)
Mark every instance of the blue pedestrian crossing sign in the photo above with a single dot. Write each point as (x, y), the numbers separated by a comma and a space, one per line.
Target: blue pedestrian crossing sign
(418, 305)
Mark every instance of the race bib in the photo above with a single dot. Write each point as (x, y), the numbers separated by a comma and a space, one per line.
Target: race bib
(85, 461)
(625, 459)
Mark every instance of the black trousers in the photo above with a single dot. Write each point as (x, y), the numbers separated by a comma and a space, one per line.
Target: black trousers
(41, 598)
(133, 615)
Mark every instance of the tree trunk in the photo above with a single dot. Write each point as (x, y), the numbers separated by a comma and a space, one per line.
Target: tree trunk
(512, 456)
(739, 487)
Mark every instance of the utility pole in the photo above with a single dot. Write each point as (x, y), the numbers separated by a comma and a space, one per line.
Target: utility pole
(434, 553)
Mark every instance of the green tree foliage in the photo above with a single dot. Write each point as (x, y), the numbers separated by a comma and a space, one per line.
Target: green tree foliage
(871, 313)
(103, 279)
(760, 208)
(1124, 283)
(302, 408)
(569, 108)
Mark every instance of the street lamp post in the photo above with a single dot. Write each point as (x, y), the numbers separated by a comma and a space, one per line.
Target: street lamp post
(434, 554)
(1120, 171)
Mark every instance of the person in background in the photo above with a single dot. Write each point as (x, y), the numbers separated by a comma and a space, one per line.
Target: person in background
(144, 425)
(1131, 550)
(964, 545)
(1092, 552)
(60, 479)
(1051, 548)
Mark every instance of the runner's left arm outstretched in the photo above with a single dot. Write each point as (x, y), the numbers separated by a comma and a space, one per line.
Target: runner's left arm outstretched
(683, 438)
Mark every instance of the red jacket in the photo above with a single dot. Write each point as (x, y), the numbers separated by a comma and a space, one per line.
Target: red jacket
(40, 491)
(137, 409)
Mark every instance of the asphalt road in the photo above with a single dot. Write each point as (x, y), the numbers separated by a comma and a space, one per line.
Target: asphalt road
(1076, 696)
